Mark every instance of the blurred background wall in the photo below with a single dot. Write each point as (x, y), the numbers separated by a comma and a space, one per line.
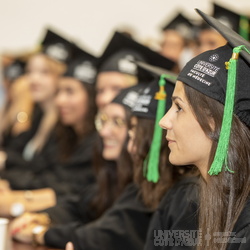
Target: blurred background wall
(90, 22)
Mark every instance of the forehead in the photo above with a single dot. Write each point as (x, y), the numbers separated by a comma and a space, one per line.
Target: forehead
(114, 110)
(107, 79)
(179, 90)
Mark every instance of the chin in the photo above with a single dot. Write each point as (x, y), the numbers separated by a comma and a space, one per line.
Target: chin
(110, 156)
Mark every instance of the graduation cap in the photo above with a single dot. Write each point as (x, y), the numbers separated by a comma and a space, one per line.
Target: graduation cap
(233, 20)
(182, 25)
(14, 70)
(122, 50)
(129, 96)
(82, 66)
(152, 103)
(228, 84)
(56, 47)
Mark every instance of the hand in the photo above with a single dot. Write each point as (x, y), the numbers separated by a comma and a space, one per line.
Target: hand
(69, 246)
(24, 234)
(28, 219)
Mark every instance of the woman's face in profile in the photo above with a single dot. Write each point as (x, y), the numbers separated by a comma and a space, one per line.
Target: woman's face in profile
(188, 143)
(112, 126)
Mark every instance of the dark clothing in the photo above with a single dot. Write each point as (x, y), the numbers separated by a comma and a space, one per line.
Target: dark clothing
(123, 226)
(177, 211)
(14, 145)
(46, 170)
(241, 231)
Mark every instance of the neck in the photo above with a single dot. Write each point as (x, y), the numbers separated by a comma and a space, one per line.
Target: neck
(48, 105)
(79, 129)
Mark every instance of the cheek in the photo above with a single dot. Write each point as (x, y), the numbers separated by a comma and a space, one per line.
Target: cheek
(121, 136)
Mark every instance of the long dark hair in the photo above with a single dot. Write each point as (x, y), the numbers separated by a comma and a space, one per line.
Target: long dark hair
(67, 138)
(152, 193)
(111, 176)
(222, 197)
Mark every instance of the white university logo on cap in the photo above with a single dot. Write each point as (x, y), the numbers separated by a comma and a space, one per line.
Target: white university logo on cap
(184, 30)
(130, 99)
(57, 51)
(125, 66)
(202, 69)
(85, 72)
(143, 102)
(14, 71)
(214, 58)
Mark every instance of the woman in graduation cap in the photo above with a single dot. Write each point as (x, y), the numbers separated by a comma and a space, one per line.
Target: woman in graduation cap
(144, 134)
(161, 185)
(88, 215)
(43, 71)
(116, 71)
(68, 155)
(208, 126)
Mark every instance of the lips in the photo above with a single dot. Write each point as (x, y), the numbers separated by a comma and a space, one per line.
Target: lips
(170, 141)
(110, 143)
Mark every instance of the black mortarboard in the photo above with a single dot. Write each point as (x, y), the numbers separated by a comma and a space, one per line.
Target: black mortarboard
(14, 70)
(128, 96)
(208, 74)
(182, 25)
(152, 103)
(82, 66)
(56, 47)
(239, 23)
(121, 50)
(146, 105)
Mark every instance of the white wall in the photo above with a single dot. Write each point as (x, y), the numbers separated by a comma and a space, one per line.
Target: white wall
(91, 22)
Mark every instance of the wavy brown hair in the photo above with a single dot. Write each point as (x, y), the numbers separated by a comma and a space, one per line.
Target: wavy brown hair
(222, 197)
(150, 192)
(67, 138)
(112, 176)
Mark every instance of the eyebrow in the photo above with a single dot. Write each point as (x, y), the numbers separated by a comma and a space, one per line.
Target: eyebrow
(176, 97)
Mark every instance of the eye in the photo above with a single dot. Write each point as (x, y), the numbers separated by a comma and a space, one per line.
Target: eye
(119, 122)
(179, 108)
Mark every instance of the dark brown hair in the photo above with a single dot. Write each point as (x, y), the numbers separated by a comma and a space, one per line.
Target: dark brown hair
(112, 176)
(152, 193)
(222, 197)
(67, 138)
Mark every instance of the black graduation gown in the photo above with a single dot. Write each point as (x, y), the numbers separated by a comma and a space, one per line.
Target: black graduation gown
(45, 170)
(177, 211)
(240, 239)
(14, 145)
(123, 226)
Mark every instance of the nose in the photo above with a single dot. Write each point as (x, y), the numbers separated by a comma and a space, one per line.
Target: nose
(165, 121)
(106, 130)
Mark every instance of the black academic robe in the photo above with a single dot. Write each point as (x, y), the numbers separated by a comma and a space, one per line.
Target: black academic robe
(240, 238)
(14, 145)
(123, 226)
(46, 170)
(176, 213)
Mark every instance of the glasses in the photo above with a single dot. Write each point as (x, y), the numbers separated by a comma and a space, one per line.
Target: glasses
(102, 119)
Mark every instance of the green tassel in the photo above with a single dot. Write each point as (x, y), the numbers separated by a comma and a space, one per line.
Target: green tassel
(151, 168)
(220, 158)
(244, 27)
